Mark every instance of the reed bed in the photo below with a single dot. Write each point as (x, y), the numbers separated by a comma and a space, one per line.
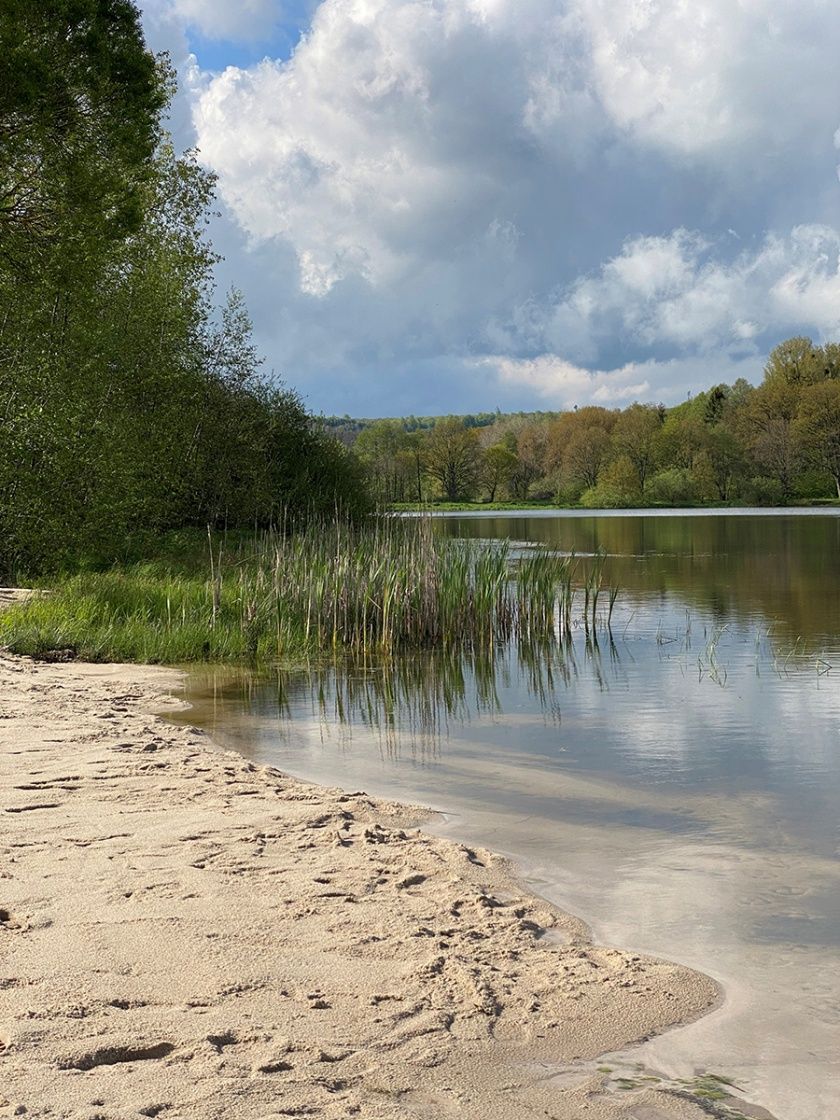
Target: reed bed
(386, 585)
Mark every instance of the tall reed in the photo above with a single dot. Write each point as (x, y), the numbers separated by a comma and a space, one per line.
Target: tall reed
(389, 584)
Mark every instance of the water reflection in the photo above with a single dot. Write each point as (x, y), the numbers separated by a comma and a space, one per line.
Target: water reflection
(676, 782)
(781, 569)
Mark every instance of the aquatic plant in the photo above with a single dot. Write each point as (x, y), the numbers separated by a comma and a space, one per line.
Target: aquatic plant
(388, 584)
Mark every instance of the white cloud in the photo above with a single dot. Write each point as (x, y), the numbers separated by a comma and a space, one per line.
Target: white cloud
(564, 385)
(692, 75)
(446, 179)
(673, 291)
(567, 384)
(242, 20)
(386, 140)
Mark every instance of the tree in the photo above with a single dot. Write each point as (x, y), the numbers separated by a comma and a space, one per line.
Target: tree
(388, 452)
(817, 429)
(531, 445)
(796, 361)
(618, 485)
(584, 456)
(723, 459)
(634, 437)
(768, 430)
(452, 457)
(681, 439)
(499, 463)
(81, 99)
(128, 405)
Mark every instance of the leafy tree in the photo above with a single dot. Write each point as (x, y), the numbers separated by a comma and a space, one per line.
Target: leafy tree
(817, 428)
(499, 464)
(723, 461)
(452, 457)
(634, 438)
(80, 106)
(584, 456)
(768, 431)
(681, 438)
(618, 486)
(127, 404)
(389, 453)
(531, 446)
(796, 361)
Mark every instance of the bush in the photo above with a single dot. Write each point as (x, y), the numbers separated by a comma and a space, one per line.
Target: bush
(672, 487)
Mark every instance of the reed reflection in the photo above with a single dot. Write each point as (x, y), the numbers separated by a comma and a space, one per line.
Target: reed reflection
(412, 705)
(781, 570)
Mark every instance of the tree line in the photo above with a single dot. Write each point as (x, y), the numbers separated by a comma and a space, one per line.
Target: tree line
(130, 403)
(766, 445)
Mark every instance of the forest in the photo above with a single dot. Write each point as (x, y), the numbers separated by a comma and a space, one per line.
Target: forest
(131, 402)
(772, 444)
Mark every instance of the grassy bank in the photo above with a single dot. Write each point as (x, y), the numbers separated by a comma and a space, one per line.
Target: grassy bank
(387, 585)
(490, 507)
(467, 507)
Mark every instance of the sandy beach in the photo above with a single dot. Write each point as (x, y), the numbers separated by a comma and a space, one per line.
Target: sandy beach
(185, 934)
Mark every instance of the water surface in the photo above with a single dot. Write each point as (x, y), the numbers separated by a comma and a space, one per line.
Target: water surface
(675, 782)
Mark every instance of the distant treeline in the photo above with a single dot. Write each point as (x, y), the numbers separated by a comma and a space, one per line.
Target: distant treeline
(763, 445)
(129, 403)
(347, 428)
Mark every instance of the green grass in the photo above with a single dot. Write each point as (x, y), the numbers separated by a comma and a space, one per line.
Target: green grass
(391, 584)
(468, 507)
(490, 507)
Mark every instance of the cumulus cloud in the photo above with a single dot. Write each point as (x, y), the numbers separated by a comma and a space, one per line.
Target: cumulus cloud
(583, 190)
(673, 290)
(561, 384)
(566, 384)
(694, 75)
(220, 19)
(389, 138)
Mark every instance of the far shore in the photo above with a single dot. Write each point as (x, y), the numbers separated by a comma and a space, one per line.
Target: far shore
(184, 933)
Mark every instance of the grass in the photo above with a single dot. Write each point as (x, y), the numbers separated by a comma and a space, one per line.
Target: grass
(388, 585)
(466, 507)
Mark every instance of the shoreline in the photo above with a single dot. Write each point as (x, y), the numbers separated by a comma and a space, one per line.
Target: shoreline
(339, 960)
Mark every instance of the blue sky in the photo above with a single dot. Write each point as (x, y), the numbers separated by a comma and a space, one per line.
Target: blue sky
(454, 205)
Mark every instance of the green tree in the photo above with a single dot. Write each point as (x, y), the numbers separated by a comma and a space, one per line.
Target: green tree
(723, 461)
(796, 361)
(452, 457)
(767, 422)
(499, 464)
(634, 437)
(387, 451)
(585, 455)
(127, 404)
(817, 429)
(81, 99)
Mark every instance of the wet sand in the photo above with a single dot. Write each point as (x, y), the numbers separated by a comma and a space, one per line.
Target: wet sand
(185, 933)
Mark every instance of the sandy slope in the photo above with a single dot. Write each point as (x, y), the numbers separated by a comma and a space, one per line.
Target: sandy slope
(187, 935)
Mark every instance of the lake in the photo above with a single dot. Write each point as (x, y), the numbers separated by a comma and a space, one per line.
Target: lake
(674, 781)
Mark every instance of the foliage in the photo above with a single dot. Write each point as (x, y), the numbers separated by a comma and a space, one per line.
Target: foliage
(382, 584)
(452, 458)
(128, 404)
(80, 105)
(817, 428)
(773, 444)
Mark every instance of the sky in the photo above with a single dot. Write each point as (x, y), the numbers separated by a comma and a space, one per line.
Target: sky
(437, 206)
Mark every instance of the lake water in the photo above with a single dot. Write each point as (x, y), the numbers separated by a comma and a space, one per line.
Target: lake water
(675, 783)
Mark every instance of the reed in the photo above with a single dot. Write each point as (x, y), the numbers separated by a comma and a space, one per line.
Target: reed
(387, 585)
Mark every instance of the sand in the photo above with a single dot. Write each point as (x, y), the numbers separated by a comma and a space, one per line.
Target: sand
(184, 934)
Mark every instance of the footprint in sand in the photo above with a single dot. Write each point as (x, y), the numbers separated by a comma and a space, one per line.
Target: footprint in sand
(7, 920)
(411, 881)
(114, 1055)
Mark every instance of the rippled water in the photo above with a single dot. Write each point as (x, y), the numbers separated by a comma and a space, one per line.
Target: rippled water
(676, 783)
